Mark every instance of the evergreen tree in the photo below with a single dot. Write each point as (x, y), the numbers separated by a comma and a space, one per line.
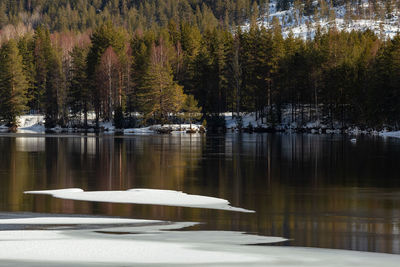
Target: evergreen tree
(53, 93)
(159, 95)
(13, 84)
(191, 109)
(26, 46)
(78, 93)
(42, 51)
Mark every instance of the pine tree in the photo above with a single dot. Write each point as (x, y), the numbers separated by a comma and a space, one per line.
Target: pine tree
(191, 109)
(54, 81)
(13, 84)
(159, 95)
(26, 46)
(42, 51)
(78, 93)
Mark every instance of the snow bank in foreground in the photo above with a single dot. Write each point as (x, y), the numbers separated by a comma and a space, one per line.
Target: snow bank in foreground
(143, 196)
(213, 248)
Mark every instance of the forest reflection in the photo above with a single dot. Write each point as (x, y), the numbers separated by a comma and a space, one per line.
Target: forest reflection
(319, 191)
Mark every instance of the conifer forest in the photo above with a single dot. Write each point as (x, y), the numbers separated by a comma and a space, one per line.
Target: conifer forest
(160, 60)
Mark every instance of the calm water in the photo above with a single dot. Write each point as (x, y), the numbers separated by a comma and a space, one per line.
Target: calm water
(319, 191)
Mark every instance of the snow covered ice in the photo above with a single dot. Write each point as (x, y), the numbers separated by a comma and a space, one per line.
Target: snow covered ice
(117, 241)
(72, 220)
(143, 196)
(153, 246)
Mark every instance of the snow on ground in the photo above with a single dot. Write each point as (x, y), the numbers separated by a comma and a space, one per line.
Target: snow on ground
(295, 123)
(395, 134)
(35, 124)
(249, 119)
(174, 128)
(305, 26)
(143, 196)
(31, 124)
(27, 121)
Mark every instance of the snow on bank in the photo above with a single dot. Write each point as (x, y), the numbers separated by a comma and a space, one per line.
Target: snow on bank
(390, 134)
(31, 124)
(173, 128)
(143, 196)
(35, 124)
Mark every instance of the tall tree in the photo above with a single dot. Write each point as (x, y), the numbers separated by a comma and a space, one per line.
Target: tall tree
(78, 93)
(53, 93)
(160, 95)
(191, 109)
(107, 78)
(104, 37)
(13, 84)
(42, 53)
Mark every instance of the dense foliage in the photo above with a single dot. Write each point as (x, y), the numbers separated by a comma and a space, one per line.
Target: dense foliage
(184, 62)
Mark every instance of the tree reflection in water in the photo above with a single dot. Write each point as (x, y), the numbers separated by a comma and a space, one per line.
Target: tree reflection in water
(319, 190)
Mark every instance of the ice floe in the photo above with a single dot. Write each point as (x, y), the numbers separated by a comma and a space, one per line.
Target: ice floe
(73, 220)
(143, 196)
(146, 243)
(187, 248)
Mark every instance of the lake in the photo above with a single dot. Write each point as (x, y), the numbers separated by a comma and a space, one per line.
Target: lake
(316, 190)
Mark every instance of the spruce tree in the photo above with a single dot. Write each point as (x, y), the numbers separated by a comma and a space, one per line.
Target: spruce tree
(42, 51)
(13, 84)
(78, 93)
(26, 46)
(191, 109)
(159, 94)
(54, 80)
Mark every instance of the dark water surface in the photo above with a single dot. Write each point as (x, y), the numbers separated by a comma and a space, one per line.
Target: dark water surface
(318, 190)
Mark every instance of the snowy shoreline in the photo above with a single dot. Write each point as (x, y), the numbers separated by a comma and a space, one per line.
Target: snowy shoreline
(34, 124)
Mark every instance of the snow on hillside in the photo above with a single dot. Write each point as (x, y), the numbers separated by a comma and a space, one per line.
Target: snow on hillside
(305, 27)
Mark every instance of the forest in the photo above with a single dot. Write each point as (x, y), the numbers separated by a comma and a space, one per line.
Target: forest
(145, 62)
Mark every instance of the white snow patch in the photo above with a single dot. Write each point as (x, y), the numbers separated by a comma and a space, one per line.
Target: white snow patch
(305, 27)
(174, 128)
(390, 134)
(107, 126)
(143, 196)
(31, 124)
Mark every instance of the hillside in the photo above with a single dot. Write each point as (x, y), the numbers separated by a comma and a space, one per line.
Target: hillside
(303, 20)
